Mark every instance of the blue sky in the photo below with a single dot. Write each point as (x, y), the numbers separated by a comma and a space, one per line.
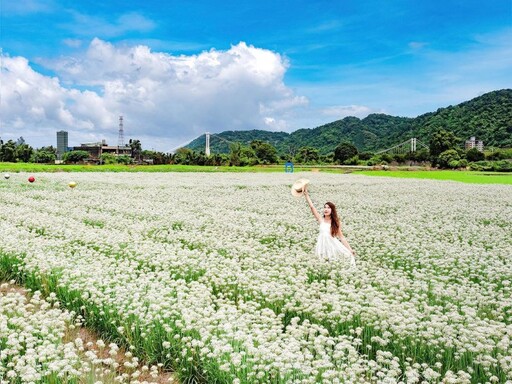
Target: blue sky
(176, 69)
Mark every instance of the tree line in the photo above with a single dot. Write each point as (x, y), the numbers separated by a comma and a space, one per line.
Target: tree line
(445, 151)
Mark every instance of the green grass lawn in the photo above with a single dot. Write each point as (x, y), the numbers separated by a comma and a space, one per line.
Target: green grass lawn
(32, 167)
(462, 176)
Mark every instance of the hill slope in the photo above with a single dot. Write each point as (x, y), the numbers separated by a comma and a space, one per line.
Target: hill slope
(487, 117)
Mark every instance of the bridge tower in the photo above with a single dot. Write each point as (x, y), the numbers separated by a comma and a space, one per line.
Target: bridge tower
(413, 144)
(207, 149)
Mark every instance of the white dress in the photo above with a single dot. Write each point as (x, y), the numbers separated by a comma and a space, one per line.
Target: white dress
(330, 248)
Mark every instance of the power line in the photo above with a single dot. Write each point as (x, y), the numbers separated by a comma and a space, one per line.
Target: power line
(211, 135)
(184, 144)
(222, 139)
(407, 146)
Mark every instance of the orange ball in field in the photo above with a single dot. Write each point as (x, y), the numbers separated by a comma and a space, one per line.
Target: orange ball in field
(31, 179)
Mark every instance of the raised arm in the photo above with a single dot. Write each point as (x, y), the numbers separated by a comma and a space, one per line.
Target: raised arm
(311, 206)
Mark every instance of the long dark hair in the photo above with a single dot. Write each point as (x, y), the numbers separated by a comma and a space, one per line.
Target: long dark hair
(335, 220)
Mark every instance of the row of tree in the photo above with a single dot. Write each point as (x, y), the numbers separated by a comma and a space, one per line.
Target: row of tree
(19, 151)
(444, 152)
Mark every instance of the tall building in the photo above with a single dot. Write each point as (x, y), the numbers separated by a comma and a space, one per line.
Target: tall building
(62, 143)
(473, 143)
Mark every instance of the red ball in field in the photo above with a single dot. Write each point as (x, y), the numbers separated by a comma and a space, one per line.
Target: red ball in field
(31, 179)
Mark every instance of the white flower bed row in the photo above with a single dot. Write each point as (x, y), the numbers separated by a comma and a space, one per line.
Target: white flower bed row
(214, 275)
(31, 334)
(37, 345)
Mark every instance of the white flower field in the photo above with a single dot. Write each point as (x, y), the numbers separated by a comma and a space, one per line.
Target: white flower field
(40, 343)
(213, 276)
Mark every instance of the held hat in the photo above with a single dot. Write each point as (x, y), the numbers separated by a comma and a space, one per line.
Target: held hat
(298, 187)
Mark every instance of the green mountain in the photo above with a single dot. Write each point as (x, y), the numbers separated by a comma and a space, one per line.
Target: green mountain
(487, 117)
(219, 142)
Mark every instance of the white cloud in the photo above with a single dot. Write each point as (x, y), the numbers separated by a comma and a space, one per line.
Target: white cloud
(164, 99)
(276, 125)
(433, 79)
(135, 21)
(28, 6)
(326, 26)
(73, 43)
(36, 106)
(342, 111)
(85, 25)
(417, 45)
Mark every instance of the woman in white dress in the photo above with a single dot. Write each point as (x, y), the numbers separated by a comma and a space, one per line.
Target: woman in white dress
(331, 243)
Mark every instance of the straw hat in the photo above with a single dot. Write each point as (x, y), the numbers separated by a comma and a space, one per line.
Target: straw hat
(298, 187)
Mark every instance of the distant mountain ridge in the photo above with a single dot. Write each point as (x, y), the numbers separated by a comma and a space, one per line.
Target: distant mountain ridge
(487, 117)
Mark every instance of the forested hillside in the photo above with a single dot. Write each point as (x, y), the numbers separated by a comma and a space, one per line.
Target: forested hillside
(487, 117)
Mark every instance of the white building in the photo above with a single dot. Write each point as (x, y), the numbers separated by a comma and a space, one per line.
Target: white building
(62, 143)
(473, 143)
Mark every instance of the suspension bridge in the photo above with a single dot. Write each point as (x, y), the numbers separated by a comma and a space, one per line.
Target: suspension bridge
(408, 146)
(208, 137)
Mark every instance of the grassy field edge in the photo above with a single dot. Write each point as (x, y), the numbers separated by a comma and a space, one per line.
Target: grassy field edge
(461, 176)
